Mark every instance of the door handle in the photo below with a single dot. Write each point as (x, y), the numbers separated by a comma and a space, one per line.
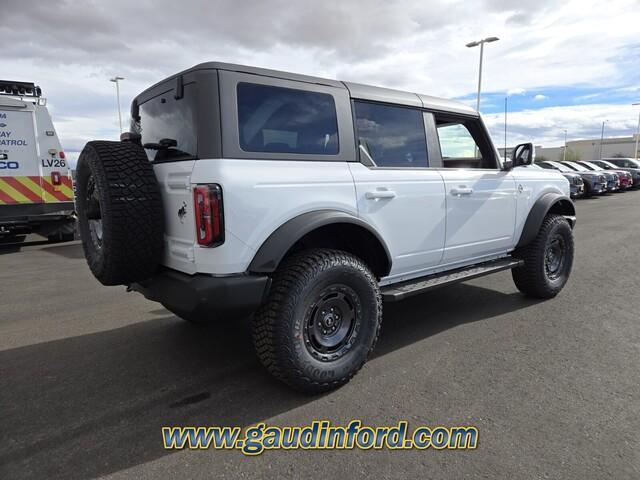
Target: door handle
(380, 194)
(462, 191)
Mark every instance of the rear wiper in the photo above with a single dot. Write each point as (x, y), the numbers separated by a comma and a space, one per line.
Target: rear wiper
(163, 144)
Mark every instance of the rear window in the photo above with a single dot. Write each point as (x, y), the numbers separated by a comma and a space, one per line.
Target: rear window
(163, 119)
(285, 120)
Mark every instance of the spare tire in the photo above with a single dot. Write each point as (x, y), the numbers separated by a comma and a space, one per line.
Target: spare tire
(119, 212)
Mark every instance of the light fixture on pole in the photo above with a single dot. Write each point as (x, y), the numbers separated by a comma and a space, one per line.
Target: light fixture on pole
(475, 44)
(602, 138)
(116, 80)
(564, 153)
(635, 152)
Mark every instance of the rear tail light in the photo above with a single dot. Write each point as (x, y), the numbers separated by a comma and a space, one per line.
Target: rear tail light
(207, 201)
(61, 154)
(56, 179)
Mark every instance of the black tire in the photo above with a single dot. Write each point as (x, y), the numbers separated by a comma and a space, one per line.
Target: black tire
(120, 215)
(61, 237)
(311, 291)
(547, 260)
(66, 233)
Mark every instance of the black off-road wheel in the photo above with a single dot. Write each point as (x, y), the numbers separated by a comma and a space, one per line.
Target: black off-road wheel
(547, 260)
(321, 320)
(119, 212)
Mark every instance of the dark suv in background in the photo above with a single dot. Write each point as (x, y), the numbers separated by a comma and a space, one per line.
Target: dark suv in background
(625, 179)
(612, 180)
(576, 183)
(594, 184)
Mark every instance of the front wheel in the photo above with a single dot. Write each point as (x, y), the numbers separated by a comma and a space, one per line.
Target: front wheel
(547, 260)
(321, 320)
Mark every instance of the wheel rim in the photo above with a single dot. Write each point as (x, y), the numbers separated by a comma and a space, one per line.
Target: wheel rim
(94, 213)
(332, 323)
(555, 257)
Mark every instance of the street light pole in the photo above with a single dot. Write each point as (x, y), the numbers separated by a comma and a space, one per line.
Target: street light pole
(602, 139)
(475, 44)
(116, 80)
(635, 152)
(564, 153)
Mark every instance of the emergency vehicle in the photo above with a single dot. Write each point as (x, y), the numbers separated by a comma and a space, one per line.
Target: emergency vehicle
(36, 192)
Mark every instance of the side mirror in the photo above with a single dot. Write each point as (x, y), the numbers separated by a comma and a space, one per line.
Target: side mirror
(507, 165)
(522, 154)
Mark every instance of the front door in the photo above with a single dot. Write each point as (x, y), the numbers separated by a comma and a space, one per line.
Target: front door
(480, 197)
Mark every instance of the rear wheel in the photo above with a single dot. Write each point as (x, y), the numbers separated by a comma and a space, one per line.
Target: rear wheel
(321, 320)
(547, 260)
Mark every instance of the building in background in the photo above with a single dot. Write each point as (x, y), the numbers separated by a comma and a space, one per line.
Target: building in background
(587, 149)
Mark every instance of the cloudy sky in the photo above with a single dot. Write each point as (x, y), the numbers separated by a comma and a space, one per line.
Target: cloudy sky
(562, 64)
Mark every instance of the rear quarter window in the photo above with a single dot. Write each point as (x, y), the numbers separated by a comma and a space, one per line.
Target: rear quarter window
(164, 117)
(286, 120)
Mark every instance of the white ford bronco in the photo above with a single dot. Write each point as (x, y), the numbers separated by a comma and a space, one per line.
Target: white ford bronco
(305, 203)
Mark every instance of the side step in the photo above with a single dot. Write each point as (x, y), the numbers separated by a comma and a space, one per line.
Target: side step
(402, 290)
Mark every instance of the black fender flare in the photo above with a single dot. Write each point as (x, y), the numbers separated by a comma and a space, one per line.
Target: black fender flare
(557, 202)
(276, 246)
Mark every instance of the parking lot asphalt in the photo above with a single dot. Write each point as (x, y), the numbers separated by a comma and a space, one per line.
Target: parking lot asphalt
(89, 375)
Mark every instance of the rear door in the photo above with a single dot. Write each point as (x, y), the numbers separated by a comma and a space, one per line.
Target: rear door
(55, 178)
(396, 190)
(481, 198)
(19, 166)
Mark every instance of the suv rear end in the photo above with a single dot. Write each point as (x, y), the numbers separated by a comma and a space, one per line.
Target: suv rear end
(36, 194)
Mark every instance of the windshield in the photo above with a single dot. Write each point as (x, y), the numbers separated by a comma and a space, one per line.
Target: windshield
(558, 166)
(591, 166)
(577, 167)
(607, 165)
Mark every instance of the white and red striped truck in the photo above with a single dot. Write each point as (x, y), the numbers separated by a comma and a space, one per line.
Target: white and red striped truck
(36, 191)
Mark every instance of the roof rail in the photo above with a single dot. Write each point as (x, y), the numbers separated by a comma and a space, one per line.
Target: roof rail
(19, 89)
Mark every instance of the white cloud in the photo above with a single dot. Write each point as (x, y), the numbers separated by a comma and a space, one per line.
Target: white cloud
(516, 91)
(539, 97)
(545, 126)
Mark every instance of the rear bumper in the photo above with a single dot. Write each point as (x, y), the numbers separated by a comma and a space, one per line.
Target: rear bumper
(204, 295)
(33, 217)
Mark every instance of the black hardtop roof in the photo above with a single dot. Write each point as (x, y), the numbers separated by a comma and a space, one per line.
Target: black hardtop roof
(359, 91)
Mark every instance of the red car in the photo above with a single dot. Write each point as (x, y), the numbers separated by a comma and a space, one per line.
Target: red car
(625, 178)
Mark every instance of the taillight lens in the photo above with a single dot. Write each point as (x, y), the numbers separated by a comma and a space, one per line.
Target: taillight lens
(61, 154)
(56, 179)
(207, 200)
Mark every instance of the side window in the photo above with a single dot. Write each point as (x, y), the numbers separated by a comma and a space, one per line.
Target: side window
(285, 120)
(457, 146)
(391, 136)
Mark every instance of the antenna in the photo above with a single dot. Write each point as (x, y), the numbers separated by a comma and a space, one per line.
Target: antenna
(505, 127)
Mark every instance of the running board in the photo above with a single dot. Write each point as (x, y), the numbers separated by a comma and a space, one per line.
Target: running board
(400, 291)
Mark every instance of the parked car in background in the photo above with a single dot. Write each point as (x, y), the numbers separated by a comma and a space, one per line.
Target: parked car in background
(612, 180)
(576, 183)
(594, 184)
(625, 178)
(631, 165)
